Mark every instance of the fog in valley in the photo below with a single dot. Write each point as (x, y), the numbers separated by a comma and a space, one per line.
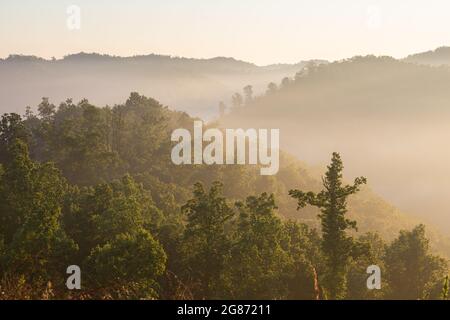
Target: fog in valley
(388, 118)
(192, 85)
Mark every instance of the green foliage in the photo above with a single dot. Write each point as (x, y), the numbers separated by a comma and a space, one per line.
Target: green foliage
(133, 223)
(411, 269)
(126, 267)
(246, 252)
(258, 260)
(371, 249)
(336, 245)
(34, 243)
(97, 214)
(206, 243)
(113, 225)
(12, 128)
(306, 261)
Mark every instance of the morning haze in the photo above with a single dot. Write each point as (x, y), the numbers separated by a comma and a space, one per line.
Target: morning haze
(385, 116)
(261, 31)
(115, 116)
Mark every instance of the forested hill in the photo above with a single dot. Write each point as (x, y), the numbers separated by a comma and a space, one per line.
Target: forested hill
(438, 57)
(194, 85)
(388, 119)
(95, 187)
(92, 144)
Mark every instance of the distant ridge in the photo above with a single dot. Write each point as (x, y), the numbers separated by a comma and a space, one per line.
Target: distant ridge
(388, 117)
(186, 84)
(84, 56)
(438, 57)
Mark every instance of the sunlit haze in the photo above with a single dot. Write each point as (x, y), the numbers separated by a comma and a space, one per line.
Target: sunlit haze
(258, 31)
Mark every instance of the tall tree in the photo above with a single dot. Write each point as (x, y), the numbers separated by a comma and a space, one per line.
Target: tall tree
(336, 244)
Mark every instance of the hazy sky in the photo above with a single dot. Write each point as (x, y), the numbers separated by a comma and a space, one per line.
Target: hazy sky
(260, 31)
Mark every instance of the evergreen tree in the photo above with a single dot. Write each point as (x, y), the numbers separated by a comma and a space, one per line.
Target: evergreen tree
(336, 244)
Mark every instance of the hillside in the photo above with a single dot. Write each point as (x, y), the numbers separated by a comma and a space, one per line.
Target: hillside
(95, 186)
(388, 119)
(139, 144)
(194, 85)
(437, 57)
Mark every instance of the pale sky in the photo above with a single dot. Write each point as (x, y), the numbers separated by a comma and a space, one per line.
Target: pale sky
(259, 31)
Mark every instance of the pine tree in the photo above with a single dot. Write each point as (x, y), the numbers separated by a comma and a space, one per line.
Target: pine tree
(336, 245)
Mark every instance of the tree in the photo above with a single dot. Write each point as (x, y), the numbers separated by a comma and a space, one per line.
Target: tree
(46, 109)
(306, 262)
(259, 262)
(285, 82)
(77, 139)
(248, 94)
(271, 88)
(336, 245)
(131, 240)
(371, 249)
(206, 243)
(35, 247)
(127, 267)
(140, 130)
(11, 129)
(222, 108)
(114, 225)
(410, 268)
(96, 215)
(237, 100)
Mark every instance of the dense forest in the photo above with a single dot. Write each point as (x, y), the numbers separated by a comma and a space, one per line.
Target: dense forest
(95, 187)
